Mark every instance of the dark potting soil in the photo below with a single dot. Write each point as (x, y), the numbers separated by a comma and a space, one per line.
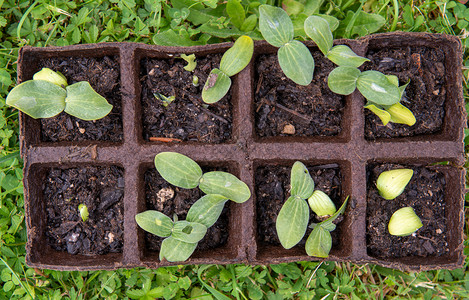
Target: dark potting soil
(103, 74)
(283, 108)
(101, 189)
(424, 96)
(170, 200)
(273, 189)
(425, 194)
(186, 118)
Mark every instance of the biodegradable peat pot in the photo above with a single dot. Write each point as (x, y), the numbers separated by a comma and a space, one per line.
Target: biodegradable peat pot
(257, 132)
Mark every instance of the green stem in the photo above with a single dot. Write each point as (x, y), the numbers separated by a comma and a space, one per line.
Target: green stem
(396, 14)
(18, 279)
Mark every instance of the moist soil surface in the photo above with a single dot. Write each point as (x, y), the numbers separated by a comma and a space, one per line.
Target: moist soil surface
(273, 189)
(186, 118)
(170, 200)
(283, 108)
(424, 96)
(425, 194)
(103, 74)
(101, 189)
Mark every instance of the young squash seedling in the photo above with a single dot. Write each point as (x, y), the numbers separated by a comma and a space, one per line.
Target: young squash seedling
(294, 57)
(292, 220)
(232, 62)
(182, 237)
(48, 94)
(382, 91)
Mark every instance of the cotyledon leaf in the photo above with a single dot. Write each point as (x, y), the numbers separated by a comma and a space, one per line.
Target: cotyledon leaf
(178, 169)
(189, 232)
(175, 250)
(225, 184)
(302, 184)
(155, 222)
(37, 98)
(319, 242)
(342, 55)
(381, 113)
(296, 62)
(207, 209)
(376, 88)
(275, 25)
(319, 31)
(238, 56)
(83, 102)
(343, 80)
(216, 86)
(292, 221)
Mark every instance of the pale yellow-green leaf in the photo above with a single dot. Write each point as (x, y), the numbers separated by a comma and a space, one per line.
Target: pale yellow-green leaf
(404, 222)
(47, 74)
(401, 114)
(296, 62)
(238, 56)
(319, 31)
(178, 169)
(342, 55)
(84, 103)
(225, 184)
(392, 183)
(343, 80)
(381, 113)
(292, 221)
(174, 250)
(216, 86)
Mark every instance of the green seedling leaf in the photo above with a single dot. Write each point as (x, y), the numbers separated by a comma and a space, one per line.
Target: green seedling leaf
(216, 86)
(342, 55)
(296, 62)
(225, 184)
(319, 242)
(165, 100)
(84, 214)
(302, 184)
(189, 232)
(175, 250)
(47, 74)
(207, 209)
(84, 103)
(292, 221)
(238, 56)
(376, 88)
(343, 80)
(381, 113)
(235, 11)
(38, 98)
(393, 79)
(155, 222)
(333, 21)
(319, 31)
(275, 25)
(401, 114)
(191, 63)
(178, 169)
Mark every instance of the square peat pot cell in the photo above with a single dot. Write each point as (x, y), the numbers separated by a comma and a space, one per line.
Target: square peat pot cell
(221, 244)
(287, 112)
(435, 194)
(431, 64)
(58, 238)
(99, 65)
(272, 189)
(171, 106)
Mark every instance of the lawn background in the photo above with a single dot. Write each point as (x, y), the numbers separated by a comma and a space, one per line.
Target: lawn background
(61, 22)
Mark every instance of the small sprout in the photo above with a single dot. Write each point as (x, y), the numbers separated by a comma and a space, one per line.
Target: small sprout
(47, 74)
(191, 63)
(392, 183)
(404, 222)
(166, 100)
(195, 81)
(83, 210)
(321, 204)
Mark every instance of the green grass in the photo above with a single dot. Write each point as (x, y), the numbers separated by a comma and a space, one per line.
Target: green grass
(61, 22)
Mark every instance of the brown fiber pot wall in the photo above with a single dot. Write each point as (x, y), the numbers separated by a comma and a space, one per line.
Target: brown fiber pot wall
(244, 153)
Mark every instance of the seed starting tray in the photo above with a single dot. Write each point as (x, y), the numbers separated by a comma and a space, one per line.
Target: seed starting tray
(244, 153)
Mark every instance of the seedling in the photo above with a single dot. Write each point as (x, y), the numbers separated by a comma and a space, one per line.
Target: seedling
(382, 91)
(48, 94)
(392, 183)
(83, 209)
(293, 218)
(233, 61)
(165, 100)
(182, 237)
(404, 222)
(294, 58)
(191, 63)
